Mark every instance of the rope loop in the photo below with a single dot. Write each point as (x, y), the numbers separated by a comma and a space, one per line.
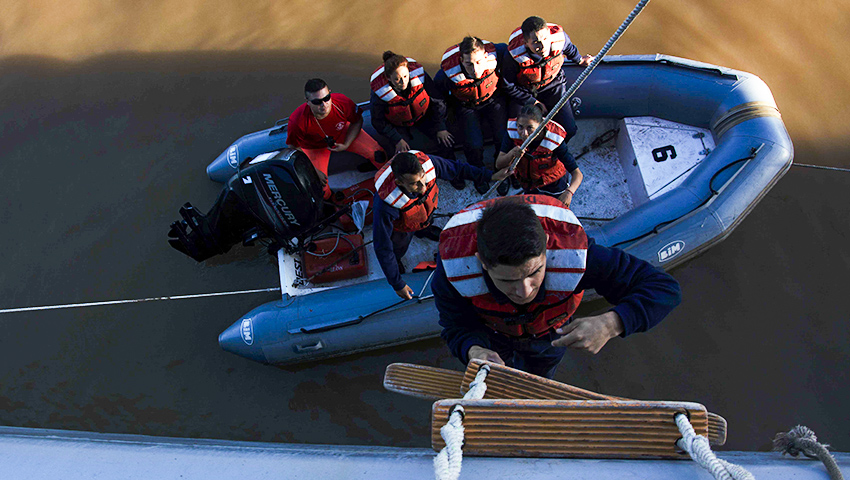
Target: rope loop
(699, 449)
(447, 463)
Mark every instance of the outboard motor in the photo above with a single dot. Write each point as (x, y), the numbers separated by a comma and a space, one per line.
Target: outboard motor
(277, 195)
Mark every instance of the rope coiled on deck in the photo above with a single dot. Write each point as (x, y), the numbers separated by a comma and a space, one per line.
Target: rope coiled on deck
(802, 439)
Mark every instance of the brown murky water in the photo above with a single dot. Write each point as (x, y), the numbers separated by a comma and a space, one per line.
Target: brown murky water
(110, 114)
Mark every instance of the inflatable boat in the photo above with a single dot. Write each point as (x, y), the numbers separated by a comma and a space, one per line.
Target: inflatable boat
(675, 153)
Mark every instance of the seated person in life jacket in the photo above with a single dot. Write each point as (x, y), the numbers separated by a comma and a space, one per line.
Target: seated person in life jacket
(532, 70)
(543, 167)
(407, 195)
(406, 108)
(511, 273)
(330, 122)
(469, 81)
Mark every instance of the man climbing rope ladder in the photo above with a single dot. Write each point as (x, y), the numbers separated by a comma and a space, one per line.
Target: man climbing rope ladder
(511, 273)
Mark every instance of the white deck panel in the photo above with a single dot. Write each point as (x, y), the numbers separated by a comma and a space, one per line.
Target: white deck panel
(657, 155)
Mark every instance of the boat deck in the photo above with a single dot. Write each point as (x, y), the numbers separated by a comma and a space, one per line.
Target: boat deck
(604, 194)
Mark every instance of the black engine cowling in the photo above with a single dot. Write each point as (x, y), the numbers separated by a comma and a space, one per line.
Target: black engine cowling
(275, 196)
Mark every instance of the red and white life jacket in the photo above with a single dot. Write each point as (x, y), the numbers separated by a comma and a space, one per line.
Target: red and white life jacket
(403, 110)
(534, 74)
(471, 91)
(566, 259)
(540, 166)
(415, 214)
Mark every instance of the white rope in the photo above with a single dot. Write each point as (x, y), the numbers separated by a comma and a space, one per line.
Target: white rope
(136, 300)
(447, 463)
(698, 448)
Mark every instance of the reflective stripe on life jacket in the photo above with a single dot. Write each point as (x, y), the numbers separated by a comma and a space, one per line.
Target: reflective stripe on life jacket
(470, 91)
(540, 166)
(414, 214)
(403, 110)
(566, 259)
(534, 74)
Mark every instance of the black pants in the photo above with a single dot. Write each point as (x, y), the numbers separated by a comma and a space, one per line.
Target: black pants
(423, 136)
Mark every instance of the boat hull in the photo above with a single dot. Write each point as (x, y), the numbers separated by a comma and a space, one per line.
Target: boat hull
(752, 151)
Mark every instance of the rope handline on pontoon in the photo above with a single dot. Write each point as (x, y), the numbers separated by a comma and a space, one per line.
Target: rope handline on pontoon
(137, 300)
(566, 98)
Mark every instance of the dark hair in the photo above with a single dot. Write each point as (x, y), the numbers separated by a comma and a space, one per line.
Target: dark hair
(531, 110)
(405, 163)
(314, 85)
(470, 44)
(532, 24)
(509, 233)
(392, 61)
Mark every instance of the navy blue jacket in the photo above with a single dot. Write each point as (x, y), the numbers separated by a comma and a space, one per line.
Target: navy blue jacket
(642, 294)
(383, 215)
(522, 95)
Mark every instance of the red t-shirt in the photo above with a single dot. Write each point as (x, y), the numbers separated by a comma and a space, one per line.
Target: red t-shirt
(305, 131)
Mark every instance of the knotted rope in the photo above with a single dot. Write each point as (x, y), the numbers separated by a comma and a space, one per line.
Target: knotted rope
(566, 98)
(447, 463)
(801, 439)
(698, 448)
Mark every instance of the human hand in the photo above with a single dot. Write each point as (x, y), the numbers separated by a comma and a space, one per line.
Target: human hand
(566, 198)
(515, 153)
(585, 60)
(589, 334)
(338, 147)
(477, 352)
(501, 174)
(445, 138)
(406, 293)
(401, 146)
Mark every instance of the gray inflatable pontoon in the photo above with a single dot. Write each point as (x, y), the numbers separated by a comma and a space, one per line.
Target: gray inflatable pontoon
(693, 148)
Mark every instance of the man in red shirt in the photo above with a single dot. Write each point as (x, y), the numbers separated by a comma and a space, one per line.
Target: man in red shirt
(330, 122)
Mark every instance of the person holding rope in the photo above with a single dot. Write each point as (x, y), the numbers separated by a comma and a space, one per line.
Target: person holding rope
(405, 199)
(469, 80)
(511, 273)
(533, 70)
(546, 161)
(330, 122)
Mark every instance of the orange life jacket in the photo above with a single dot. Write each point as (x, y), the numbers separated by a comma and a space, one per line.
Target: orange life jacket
(566, 258)
(415, 214)
(534, 74)
(403, 110)
(540, 166)
(471, 91)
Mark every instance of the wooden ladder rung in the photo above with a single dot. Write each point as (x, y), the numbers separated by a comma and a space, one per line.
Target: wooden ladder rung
(569, 428)
(507, 382)
(424, 382)
(434, 383)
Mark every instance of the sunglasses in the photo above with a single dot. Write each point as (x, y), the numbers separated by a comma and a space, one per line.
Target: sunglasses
(319, 101)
